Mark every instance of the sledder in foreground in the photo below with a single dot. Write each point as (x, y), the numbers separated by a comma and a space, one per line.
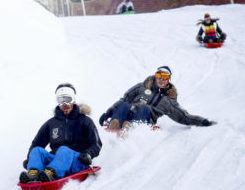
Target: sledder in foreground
(58, 184)
(213, 35)
(149, 100)
(73, 139)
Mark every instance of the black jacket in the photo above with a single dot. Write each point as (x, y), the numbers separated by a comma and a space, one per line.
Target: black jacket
(76, 131)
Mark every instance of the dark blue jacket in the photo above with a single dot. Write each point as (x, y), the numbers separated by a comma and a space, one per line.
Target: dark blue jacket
(76, 131)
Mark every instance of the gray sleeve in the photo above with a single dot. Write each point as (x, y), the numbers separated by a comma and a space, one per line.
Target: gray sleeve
(171, 108)
(129, 96)
(132, 93)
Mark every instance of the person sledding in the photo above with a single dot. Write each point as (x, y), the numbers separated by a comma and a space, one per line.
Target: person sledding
(73, 139)
(149, 100)
(211, 30)
(125, 7)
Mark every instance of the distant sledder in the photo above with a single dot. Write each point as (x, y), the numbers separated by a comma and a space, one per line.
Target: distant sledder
(214, 37)
(125, 7)
(149, 100)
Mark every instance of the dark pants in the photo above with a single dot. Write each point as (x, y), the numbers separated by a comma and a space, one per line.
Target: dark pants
(207, 38)
(214, 38)
(122, 112)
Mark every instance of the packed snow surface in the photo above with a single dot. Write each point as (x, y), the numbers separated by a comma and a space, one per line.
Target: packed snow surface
(103, 56)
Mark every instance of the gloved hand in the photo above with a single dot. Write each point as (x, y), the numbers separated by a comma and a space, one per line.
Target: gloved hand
(103, 118)
(85, 158)
(199, 38)
(207, 123)
(223, 37)
(25, 162)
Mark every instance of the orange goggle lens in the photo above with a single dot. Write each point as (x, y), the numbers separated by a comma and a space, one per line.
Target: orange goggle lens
(164, 76)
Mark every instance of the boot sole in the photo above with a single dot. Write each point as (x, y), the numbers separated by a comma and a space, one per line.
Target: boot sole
(43, 177)
(24, 178)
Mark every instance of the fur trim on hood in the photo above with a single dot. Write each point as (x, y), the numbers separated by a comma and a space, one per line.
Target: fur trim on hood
(149, 82)
(171, 92)
(84, 109)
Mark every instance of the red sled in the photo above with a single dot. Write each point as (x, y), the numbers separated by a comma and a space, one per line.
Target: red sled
(119, 132)
(213, 45)
(112, 130)
(155, 128)
(58, 184)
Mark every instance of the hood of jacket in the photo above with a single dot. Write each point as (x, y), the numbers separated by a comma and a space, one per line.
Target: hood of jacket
(170, 90)
(77, 109)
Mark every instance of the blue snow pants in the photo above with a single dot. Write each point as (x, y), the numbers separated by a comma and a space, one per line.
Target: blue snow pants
(64, 161)
(123, 113)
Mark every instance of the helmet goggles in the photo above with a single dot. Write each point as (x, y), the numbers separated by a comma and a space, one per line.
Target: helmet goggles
(162, 75)
(64, 100)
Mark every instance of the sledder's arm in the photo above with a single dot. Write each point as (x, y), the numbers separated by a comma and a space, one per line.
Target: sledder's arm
(41, 139)
(199, 35)
(171, 108)
(218, 29)
(93, 140)
(128, 97)
(200, 32)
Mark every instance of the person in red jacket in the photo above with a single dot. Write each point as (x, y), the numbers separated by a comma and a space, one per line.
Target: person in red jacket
(211, 29)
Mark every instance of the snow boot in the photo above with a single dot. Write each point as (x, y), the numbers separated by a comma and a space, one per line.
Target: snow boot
(126, 125)
(30, 176)
(48, 174)
(114, 124)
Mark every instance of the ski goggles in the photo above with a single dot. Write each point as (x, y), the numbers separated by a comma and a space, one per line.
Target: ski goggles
(161, 75)
(64, 100)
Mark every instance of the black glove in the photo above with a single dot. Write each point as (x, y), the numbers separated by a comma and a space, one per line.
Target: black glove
(199, 38)
(85, 158)
(207, 123)
(222, 37)
(103, 118)
(25, 162)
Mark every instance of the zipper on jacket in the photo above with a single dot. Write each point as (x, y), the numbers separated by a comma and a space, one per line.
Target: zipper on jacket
(66, 131)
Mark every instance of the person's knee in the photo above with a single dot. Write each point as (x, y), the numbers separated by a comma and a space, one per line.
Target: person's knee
(124, 8)
(144, 109)
(63, 149)
(123, 105)
(37, 149)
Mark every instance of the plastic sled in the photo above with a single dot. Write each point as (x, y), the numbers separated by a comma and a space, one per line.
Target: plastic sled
(155, 128)
(58, 184)
(119, 132)
(128, 13)
(213, 45)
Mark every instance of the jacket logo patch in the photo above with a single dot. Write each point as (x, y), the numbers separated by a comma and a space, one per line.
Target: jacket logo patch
(148, 92)
(55, 132)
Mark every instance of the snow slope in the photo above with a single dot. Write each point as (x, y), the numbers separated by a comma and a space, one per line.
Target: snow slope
(103, 56)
